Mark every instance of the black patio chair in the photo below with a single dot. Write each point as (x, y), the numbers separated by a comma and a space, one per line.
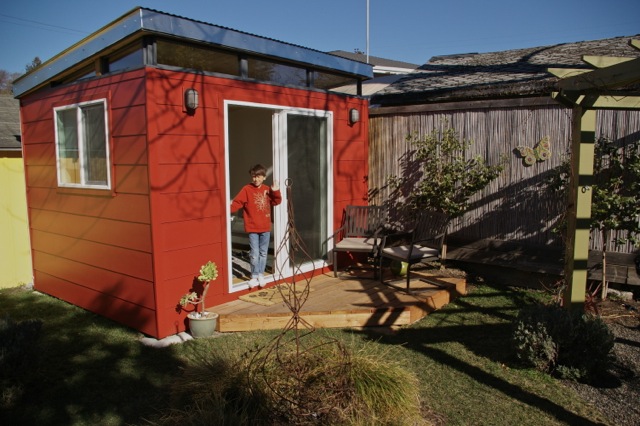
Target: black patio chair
(360, 233)
(423, 243)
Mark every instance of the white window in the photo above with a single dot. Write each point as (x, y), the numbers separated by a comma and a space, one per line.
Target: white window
(82, 151)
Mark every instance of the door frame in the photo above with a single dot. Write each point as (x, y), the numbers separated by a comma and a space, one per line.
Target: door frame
(279, 161)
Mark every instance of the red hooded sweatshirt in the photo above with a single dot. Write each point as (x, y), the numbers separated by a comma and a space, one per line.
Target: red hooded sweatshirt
(256, 202)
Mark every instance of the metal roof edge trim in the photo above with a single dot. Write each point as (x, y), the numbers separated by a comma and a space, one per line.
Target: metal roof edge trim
(149, 20)
(85, 48)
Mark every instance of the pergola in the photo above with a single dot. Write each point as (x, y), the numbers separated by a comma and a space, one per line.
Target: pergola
(586, 91)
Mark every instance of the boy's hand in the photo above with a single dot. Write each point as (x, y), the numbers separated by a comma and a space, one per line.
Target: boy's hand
(275, 186)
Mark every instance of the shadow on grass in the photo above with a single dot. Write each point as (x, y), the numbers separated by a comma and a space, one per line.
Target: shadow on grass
(87, 370)
(482, 323)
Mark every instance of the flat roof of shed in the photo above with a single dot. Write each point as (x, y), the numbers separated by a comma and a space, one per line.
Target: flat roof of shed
(143, 20)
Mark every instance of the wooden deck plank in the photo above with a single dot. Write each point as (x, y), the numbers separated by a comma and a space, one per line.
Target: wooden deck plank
(346, 302)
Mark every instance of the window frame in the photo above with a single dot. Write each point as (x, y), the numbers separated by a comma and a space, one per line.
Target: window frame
(82, 145)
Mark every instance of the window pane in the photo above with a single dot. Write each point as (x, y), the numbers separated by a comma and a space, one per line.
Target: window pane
(197, 58)
(68, 154)
(277, 73)
(95, 144)
(333, 82)
(132, 59)
(308, 169)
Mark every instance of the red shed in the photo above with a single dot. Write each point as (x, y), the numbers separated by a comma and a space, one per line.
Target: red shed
(136, 138)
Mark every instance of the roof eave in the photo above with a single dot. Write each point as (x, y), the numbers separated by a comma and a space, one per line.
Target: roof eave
(152, 21)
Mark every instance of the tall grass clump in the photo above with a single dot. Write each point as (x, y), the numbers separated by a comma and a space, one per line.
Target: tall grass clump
(227, 389)
(569, 344)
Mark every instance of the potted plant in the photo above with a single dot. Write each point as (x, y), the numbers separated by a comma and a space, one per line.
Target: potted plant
(201, 322)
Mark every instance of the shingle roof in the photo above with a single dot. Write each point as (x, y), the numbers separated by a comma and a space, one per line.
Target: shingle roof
(9, 123)
(510, 73)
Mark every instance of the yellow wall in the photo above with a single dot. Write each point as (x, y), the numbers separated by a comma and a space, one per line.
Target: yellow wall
(15, 248)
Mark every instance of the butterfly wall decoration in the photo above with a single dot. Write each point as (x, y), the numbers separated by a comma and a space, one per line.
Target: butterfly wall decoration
(540, 152)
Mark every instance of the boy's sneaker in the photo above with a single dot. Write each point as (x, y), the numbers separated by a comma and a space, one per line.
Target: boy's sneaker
(261, 280)
(253, 283)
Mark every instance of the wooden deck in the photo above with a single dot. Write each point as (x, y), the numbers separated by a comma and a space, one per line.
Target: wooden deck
(347, 302)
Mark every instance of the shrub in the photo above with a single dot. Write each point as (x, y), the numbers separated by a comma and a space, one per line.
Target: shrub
(571, 345)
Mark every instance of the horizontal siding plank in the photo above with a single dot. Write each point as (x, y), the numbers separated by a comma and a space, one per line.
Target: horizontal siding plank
(38, 131)
(177, 206)
(41, 177)
(131, 121)
(173, 120)
(130, 150)
(351, 191)
(172, 178)
(350, 150)
(40, 154)
(128, 92)
(131, 179)
(118, 310)
(182, 262)
(134, 290)
(350, 170)
(117, 259)
(133, 235)
(191, 233)
(188, 149)
(125, 207)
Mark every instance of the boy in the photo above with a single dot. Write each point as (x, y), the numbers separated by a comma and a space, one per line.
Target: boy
(257, 199)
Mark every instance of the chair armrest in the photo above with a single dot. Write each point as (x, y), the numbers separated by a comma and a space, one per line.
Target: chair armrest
(337, 232)
(390, 239)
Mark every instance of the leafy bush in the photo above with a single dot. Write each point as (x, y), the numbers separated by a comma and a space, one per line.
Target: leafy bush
(571, 345)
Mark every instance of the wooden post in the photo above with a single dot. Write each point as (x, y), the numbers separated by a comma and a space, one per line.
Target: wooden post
(579, 211)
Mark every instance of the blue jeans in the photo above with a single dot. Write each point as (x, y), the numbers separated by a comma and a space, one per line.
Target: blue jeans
(259, 244)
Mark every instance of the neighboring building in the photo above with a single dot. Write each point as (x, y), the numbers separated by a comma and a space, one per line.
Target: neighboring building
(385, 72)
(15, 253)
(136, 138)
(500, 101)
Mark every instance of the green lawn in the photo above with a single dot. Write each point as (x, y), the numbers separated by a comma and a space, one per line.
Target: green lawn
(84, 369)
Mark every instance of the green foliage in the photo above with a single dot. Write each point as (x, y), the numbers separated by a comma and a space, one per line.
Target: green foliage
(35, 63)
(615, 205)
(208, 272)
(616, 192)
(449, 178)
(569, 344)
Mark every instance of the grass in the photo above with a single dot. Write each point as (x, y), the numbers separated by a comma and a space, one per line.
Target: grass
(88, 370)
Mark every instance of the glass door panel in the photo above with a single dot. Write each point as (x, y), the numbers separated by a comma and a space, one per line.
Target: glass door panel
(307, 167)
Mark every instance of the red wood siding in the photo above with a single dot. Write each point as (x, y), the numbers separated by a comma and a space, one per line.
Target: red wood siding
(187, 175)
(130, 253)
(93, 248)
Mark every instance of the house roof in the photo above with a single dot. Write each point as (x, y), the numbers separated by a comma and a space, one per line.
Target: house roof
(9, 123)
(505, 74)
(141, 21)
(382, 65)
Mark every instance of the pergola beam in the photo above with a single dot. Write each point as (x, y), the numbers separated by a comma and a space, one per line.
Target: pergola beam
(586, 91)
(618, 75)
(597, 101)
(604, 61)
(579, 202)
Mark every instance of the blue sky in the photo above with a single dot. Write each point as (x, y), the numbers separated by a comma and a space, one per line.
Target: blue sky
(405, 30)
